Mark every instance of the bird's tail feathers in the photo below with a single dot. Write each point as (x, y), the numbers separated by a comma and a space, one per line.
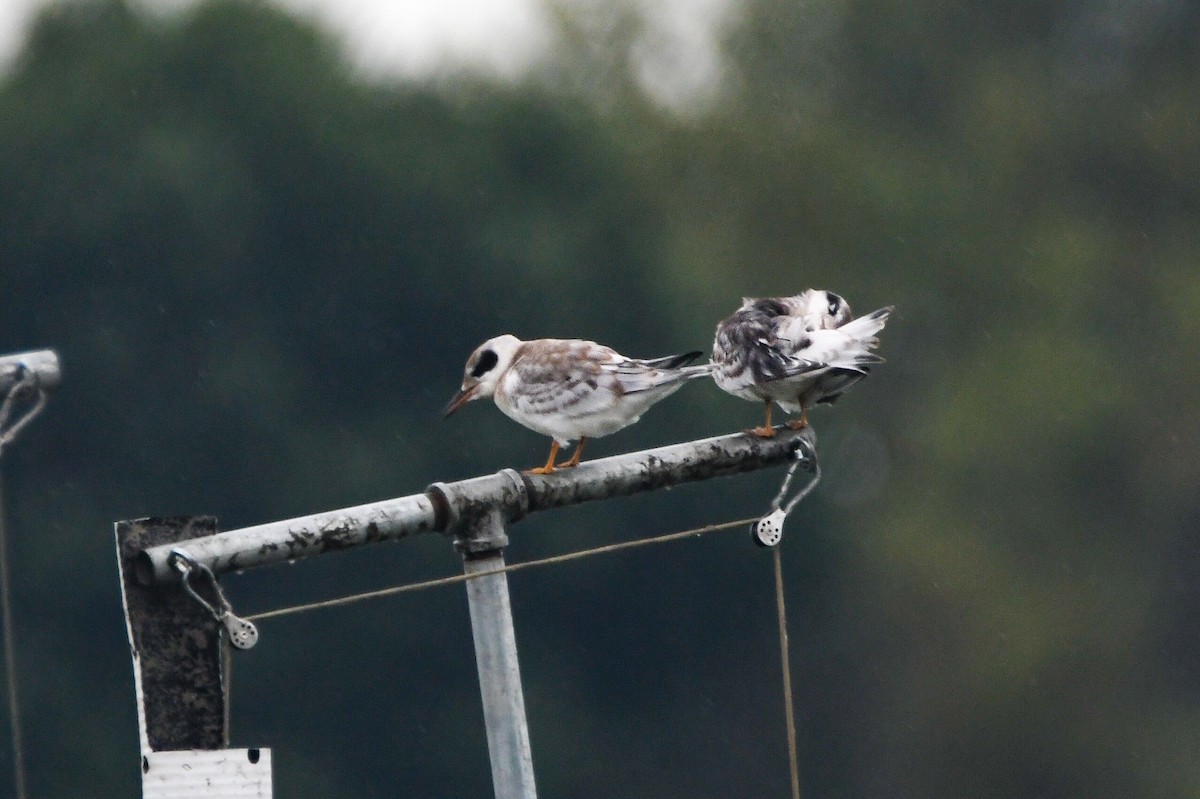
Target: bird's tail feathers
(859, 361)
(662, 378)
(867, 326)
(673, 361)
(681, 374)
(703, 370)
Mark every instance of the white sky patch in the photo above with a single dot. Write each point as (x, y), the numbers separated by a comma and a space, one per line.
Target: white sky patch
(384, 38)
(422, 37)
(677, 59)
(15, 18)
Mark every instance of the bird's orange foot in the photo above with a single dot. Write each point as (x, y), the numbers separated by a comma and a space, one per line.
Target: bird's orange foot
(797, 424)
(574, 461)
(541, 470)
(762, 432)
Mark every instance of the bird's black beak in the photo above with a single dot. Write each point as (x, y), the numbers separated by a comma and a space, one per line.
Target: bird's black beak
(460, 399)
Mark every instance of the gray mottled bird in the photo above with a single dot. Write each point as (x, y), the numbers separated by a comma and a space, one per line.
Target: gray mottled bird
(795, 351)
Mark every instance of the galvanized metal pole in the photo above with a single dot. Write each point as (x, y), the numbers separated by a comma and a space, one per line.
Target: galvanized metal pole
(475, 513)
(10, 661)
(511, 756)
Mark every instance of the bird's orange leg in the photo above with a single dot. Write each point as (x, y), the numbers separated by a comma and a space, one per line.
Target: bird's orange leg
(575, 456)
(766, 431)
(549, 467)
(801, 423)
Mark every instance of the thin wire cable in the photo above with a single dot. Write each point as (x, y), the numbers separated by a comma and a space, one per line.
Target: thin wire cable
(460, 578)
(10, 664)
(793, 757)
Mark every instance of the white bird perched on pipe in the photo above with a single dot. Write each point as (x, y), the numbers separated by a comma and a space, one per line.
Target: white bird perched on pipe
(569, 389)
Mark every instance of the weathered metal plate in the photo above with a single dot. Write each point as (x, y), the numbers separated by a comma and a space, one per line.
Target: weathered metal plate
(179, 657)
(215, 774)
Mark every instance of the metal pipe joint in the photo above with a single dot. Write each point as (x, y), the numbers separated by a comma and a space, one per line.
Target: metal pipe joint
(475, 511)
(43, 364)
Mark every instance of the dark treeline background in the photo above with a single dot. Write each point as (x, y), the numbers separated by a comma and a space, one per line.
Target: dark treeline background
(264, 272)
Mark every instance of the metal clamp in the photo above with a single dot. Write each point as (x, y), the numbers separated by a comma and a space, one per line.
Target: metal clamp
(768, 531)
(26, 381)
(242, 633)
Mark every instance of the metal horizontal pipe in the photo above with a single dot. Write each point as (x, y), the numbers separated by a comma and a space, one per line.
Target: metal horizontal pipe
(653, 469)
(293, 539)
(453, 507)
(43, 363)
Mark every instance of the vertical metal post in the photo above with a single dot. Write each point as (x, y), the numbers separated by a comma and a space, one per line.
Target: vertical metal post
(24, 376)
(10, 660)
(482, 546)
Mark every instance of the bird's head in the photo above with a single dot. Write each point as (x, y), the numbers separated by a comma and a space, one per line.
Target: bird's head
(822, 310)
(483, 371)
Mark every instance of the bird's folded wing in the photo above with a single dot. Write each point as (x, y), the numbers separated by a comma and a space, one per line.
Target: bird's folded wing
(568, 387)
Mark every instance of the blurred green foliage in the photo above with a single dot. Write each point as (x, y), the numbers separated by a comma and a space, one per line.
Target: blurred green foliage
(263, 274)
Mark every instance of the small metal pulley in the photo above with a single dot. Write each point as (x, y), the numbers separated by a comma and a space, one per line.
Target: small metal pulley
(768, 530)
(242, 633)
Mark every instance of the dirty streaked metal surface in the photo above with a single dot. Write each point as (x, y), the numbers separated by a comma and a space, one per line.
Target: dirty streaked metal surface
(302, 537)
(653, 469)
(219, 774)
(179, 657)
(449, 507)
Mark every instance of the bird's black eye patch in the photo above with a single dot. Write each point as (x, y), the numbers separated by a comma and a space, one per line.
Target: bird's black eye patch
(835, 304)
(487, 361)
